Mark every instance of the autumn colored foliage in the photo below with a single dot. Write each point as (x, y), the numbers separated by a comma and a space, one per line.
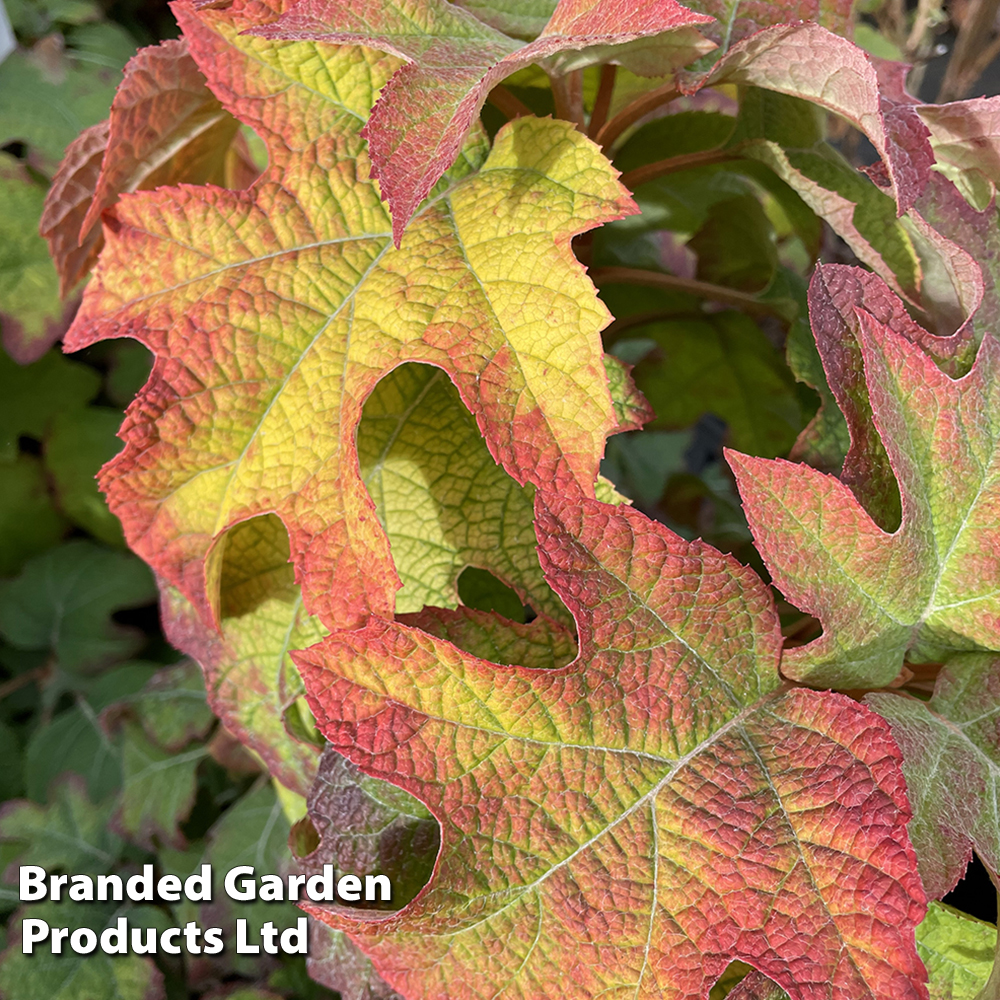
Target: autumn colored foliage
(617, 721)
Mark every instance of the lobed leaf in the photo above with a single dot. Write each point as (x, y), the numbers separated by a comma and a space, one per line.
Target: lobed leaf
(661, 796)
(64, 599)
(165, 127)
(812, 63)
(929, 587)
(452, 61)
(229, 424)
(69, 834)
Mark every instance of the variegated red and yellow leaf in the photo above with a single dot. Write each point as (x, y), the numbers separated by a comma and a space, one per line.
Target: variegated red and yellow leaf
(925, 589)
(274, 312)
(632, 822)
(452, 61)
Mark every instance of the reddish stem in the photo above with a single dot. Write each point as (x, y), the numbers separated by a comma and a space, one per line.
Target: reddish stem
(602, 103)
(631, 113)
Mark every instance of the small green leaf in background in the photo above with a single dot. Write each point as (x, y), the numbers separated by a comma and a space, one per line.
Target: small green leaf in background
(721, 363)
(63, 601)
(159, 789)
(44, 976)
(33, 395)
(641, 463)
(77, 446)
(171, 708)
(71, 834)
(55, 91)
(74, 741)
(958, 951)
(32, 316)
(29, 521)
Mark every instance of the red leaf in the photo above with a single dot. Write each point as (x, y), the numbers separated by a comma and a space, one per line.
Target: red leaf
(630, 823)
(808, 61)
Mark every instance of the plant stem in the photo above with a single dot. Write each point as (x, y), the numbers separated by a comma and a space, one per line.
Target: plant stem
(602, 103)
(505, 102)
(631, 113)
(673, 164)
(974, 48)
(567, 91)
(703, 289)
(16, 683)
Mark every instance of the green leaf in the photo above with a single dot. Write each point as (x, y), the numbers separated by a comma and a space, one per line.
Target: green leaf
(74, 741)
(33, 395)
(46, 108)
(723, 364)
(171, 708)
(674, 135)
(70, 834)
(78, 444)
(32, 315)
(958, 951)
(735, 245)
(158, 789)
(44, 976)
(951, 760)
(254, 831)
(641, 463)
(29, 523)
(63, 601)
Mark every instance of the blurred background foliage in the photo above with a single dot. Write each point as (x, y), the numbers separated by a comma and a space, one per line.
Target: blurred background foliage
(111, 757)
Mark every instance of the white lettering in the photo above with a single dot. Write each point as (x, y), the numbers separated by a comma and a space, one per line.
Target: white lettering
(32, 932)
(32, 886)
(349, 888)
(242, 946)
(248, 890)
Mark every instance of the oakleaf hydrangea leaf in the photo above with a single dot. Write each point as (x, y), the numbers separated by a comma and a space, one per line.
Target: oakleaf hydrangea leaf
(966, 140)
(251, 682)
(366, 825)
(245, 418)
(452, 62)
(337, 962)
(66, 205)
(740, 18)
(539, 643)
(661, 796)
(951, 760)
(807, 61)
(931, 586)
(165, 127)
(443, 501)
